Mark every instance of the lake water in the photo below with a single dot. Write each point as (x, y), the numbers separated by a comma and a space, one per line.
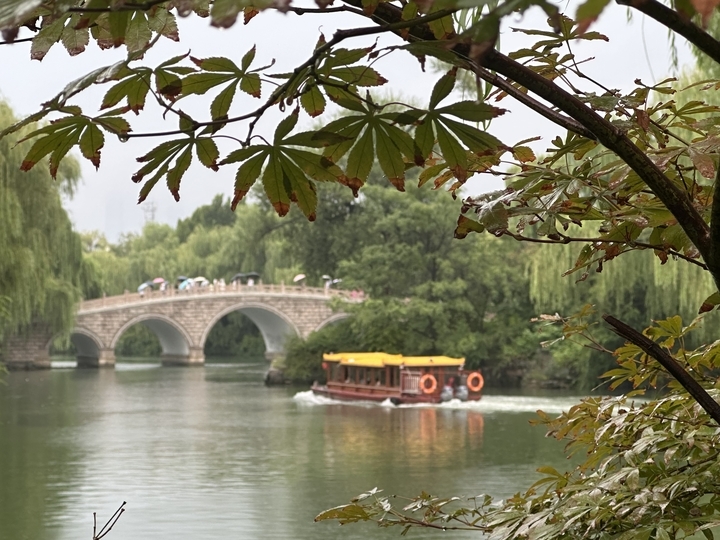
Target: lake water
(209, 453)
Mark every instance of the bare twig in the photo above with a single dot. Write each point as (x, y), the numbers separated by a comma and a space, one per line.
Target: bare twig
(109, 524)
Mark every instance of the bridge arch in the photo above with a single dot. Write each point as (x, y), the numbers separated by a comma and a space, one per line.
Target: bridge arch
(275, 326)
(337, 317)
(175, 341)
(88, 345)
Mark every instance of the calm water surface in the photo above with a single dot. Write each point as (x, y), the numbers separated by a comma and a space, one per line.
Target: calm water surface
(209, 453)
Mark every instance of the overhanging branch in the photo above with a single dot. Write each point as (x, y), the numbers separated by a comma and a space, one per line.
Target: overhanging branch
(678, 23)
(606, 133)
(654, 350)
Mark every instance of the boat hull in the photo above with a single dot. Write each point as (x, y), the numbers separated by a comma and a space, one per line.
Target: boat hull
(379, 395)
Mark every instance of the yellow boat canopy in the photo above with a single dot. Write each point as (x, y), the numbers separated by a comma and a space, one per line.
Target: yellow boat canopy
(380, 359)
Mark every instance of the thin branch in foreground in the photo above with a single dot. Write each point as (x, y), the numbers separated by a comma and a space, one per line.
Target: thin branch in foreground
(655, 351)
(109, 524)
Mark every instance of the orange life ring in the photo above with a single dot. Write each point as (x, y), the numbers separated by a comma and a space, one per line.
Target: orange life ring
(433, 383)
(475, 382)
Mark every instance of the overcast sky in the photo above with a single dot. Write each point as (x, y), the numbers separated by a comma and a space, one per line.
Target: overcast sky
(106, 200)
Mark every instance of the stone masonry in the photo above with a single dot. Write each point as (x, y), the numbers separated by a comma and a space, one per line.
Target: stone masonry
(182, 321)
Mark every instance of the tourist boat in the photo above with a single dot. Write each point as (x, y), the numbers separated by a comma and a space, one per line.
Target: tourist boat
(401, 379)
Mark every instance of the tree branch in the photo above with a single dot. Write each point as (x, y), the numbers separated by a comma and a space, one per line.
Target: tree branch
(533, 104)
(654, 350)
(677, 23)
(675, 199)
(713, 260)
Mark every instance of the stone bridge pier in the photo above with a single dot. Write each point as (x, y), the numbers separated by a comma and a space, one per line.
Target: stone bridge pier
(181, 321)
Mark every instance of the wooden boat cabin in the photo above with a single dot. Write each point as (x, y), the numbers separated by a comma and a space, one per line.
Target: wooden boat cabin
(401, 379)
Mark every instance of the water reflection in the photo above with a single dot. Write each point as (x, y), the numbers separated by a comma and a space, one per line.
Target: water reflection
(208, 453)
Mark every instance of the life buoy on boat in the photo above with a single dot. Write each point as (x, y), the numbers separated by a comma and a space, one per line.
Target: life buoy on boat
(475, 382)
(424, 383)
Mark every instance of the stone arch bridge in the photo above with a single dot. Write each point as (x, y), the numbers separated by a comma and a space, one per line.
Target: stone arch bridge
(182, 321)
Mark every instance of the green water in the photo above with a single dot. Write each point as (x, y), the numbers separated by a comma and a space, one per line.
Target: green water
(210, 453)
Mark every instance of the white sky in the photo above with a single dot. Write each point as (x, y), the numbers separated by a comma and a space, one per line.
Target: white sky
(106, 200)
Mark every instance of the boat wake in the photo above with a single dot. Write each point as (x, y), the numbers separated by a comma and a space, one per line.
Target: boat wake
(488, 404)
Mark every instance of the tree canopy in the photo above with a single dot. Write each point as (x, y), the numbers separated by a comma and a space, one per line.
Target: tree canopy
(42, 270)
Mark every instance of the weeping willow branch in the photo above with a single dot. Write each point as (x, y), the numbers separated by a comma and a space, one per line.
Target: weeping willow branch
(678, 23)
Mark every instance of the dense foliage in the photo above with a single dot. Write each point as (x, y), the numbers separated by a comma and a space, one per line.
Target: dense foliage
(42, 270)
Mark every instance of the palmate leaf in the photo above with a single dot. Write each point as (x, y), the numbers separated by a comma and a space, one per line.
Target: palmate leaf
(455, 139)
(289, 172)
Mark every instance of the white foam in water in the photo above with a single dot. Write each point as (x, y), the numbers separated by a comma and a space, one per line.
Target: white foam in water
(488, 404)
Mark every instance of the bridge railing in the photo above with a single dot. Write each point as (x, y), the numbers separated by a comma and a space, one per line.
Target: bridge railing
(150, 295)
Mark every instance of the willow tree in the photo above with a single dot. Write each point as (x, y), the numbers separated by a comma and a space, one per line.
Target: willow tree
(42, 273)
(648, 186)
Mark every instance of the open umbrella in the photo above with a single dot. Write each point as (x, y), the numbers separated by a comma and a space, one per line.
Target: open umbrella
(158, 280)
(144, 286)
(202, 281)
(185, 284)
(238, 277)
(180, 279)
(298, 278)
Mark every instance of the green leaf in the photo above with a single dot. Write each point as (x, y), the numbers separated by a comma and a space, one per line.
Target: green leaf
(317, 167)
(588, 12)
(150, 184)
(430, 172)
(302, 190)
(246, 176)
(42, 147)
(163, 22)
(344, 57)
(313, 101)
(116, 125)
(207, 152)
(221, 104)
(390, 159)
(710, 302)
(199, 83)
(465, 226)
(361, 159)
(47, 37)
(442, 88)
(285, 126)
(247, 59)
(443, 28)
(216, 64)
(274, 184)
(359, 76)
(91, 141)
(138, 33)
(119, 21)
(73, 40)
(424, 141)
(63, 147)
(472, 111)
(174, 175)
(315, 139)
(241, 154)
(251, 84)
(476, 140)
(224, 12)
(454, 154)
